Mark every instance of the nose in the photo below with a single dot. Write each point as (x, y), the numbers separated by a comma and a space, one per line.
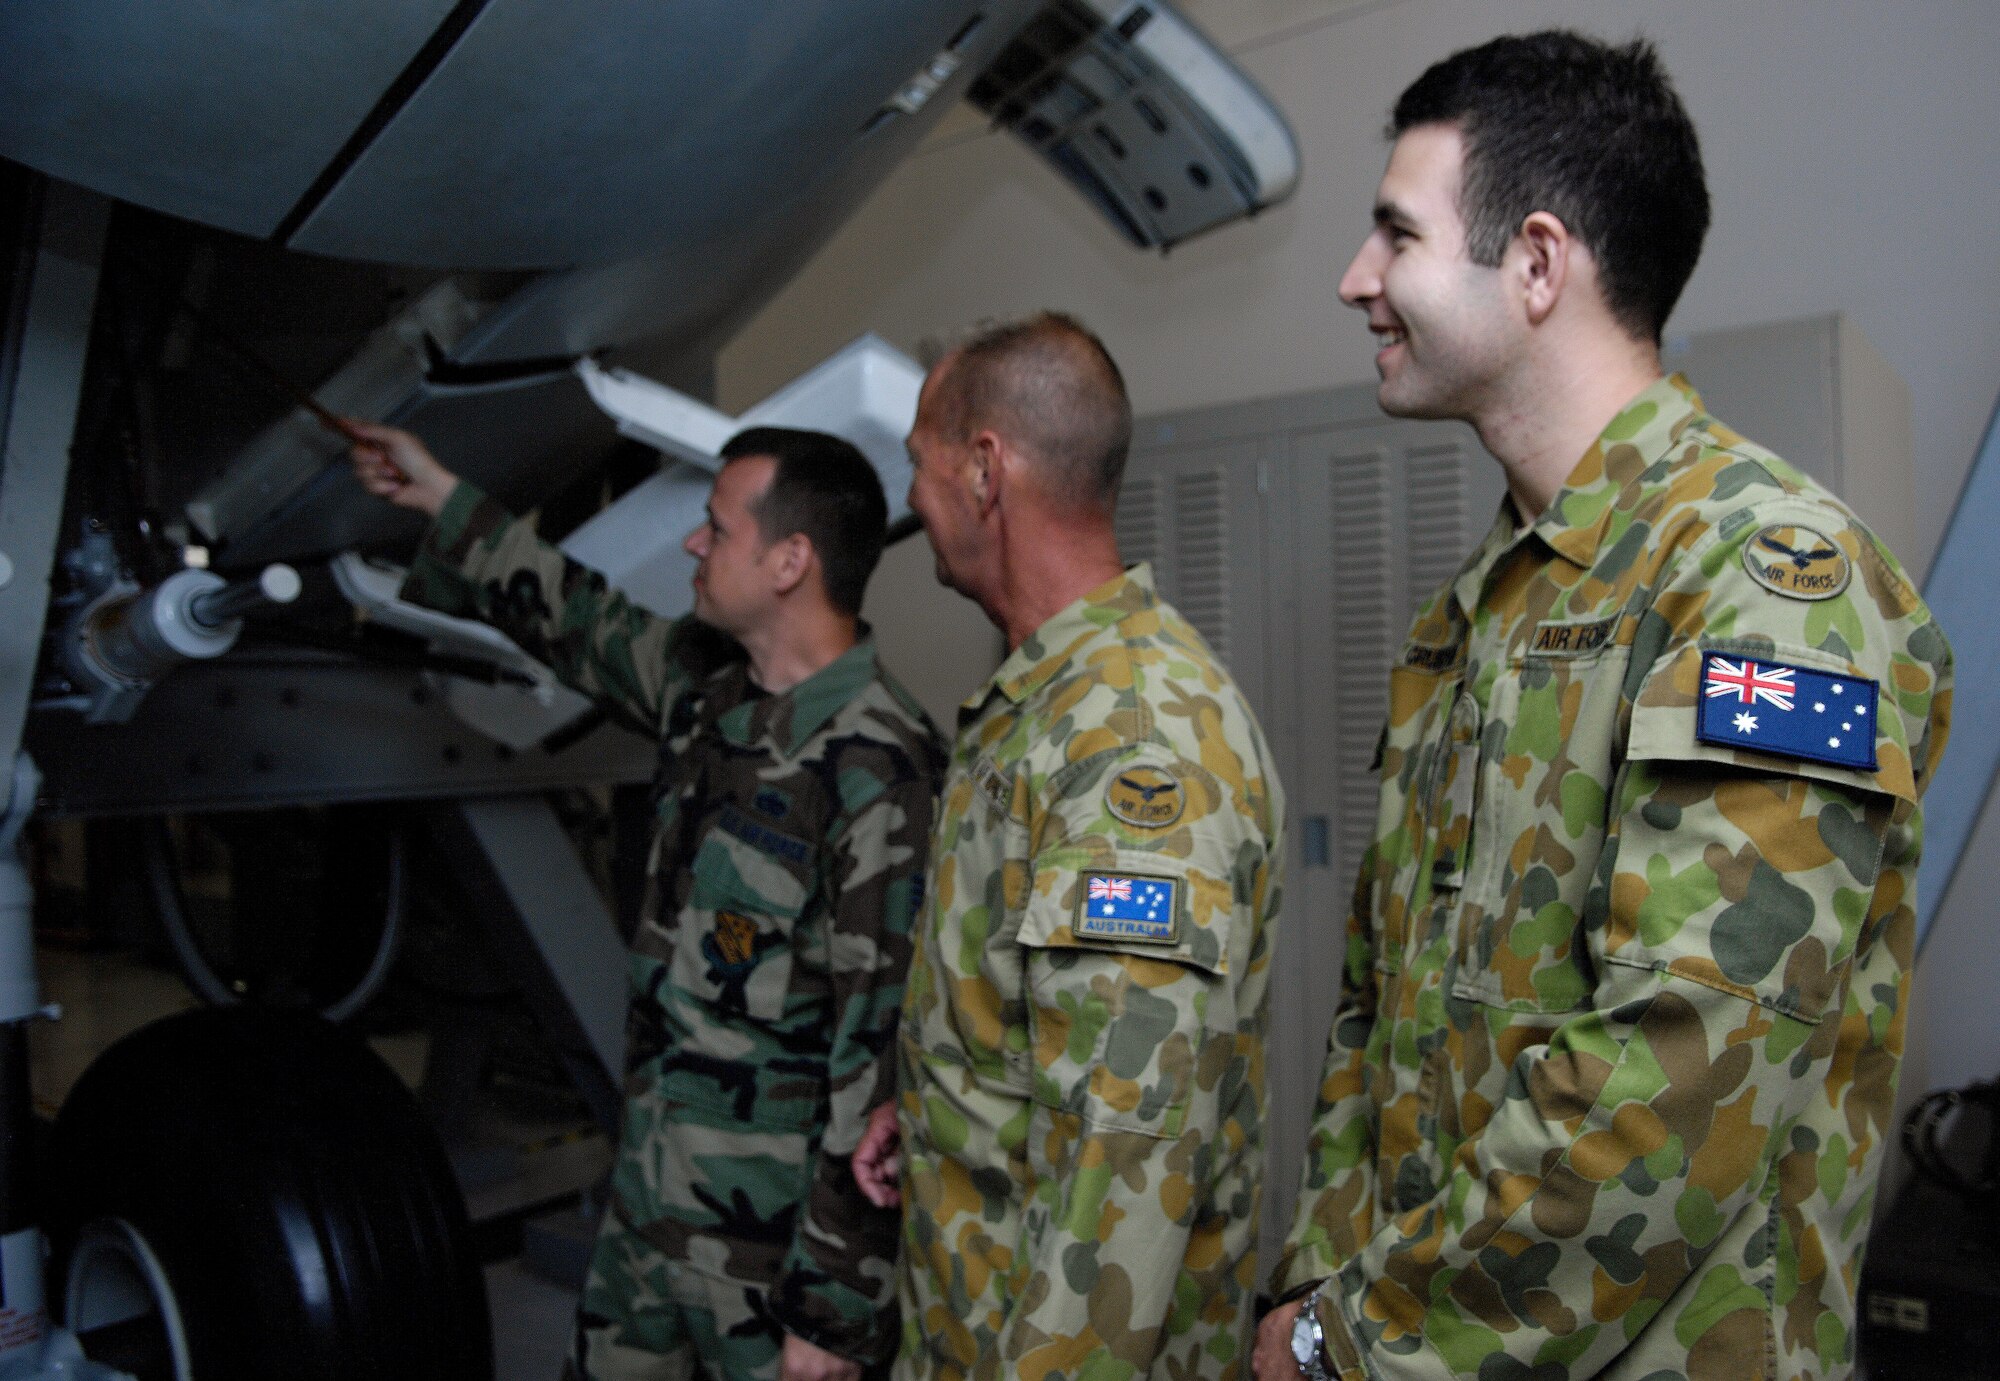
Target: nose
(696, 544)
(1362, 283)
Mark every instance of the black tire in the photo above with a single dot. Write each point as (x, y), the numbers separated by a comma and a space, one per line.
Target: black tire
(301, 1208)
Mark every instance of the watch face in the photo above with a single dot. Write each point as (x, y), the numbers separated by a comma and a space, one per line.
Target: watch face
(1304, 1348)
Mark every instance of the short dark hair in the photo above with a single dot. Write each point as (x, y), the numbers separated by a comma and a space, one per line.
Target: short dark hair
(825, 488)
(1593, 134)
(1050, 385)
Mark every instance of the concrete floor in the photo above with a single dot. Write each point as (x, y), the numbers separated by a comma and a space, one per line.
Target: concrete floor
(105, 996)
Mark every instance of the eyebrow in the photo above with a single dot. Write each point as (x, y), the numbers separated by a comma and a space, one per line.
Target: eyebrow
(1388, 214)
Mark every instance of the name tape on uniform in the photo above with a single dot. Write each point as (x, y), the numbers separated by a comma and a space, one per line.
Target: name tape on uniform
(761, 836)
(1572, 639)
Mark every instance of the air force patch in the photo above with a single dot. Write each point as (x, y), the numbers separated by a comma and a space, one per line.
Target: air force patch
(1126, 906)
(1795, 712)
(1148, 798)
(1797, 562)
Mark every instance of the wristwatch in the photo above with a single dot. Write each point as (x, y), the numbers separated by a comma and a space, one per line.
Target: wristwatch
(1309, 1339)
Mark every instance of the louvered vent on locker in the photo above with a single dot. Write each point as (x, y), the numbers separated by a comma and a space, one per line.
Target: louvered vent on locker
(1435, 540)
(1366, 628)
(1201, 554)
(1138, 524)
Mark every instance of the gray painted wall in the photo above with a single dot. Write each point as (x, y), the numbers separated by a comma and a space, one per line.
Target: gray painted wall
(1853, 164)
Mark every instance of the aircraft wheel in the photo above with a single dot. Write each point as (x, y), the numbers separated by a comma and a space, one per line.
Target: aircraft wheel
(267, 1199)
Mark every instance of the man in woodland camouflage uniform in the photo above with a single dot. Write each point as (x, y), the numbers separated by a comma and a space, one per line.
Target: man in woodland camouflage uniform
(794, 800)
(1082, 1041)
(1627, 965)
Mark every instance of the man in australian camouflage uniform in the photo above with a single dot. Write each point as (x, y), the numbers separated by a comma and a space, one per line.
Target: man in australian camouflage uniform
(1082, 1041)
(1627, 965)
(794, 799)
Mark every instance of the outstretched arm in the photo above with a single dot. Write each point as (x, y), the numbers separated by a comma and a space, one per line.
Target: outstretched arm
(479, 561)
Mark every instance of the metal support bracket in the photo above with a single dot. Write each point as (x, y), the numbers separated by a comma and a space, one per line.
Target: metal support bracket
(550, 931)
(41, 382)
(38, 403)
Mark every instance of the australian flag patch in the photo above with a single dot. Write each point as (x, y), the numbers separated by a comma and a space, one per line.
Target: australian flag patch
(1792, 711)
(1125, 906)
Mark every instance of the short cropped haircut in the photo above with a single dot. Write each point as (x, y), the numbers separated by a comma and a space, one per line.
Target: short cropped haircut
(1591, 133)
(1048, 385)
(825, 488)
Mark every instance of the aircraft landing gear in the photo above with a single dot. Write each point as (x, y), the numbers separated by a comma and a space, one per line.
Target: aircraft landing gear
(244, 1193)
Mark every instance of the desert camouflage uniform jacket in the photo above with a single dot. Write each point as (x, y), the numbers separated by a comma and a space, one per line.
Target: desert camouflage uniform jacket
(767, 972)
(1083, 1037)
(1616, 1050)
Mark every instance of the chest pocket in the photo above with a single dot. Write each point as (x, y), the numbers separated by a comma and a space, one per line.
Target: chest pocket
(1414, 764)
(738, 931)
(1453, 793)
(1545, 767)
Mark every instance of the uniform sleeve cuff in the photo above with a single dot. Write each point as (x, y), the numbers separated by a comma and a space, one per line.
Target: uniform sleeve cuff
(1301, 1267)
(867, 1343)
(448, 529)
(1299, 1291)
(437, 578)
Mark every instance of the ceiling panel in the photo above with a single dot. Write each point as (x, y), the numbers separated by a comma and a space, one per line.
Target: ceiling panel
(219, 112)
(563, 132)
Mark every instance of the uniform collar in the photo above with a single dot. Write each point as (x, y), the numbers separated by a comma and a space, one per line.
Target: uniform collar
(1578, 520)
(1050, 648)
(788, 720)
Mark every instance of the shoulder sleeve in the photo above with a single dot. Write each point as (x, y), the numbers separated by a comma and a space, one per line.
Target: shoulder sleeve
(1830, 666)
(1145, 954)
(478, 561)
(1142, 852)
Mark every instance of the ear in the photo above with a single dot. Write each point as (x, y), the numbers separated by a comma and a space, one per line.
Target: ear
(791, 561)
(986, 468)
(1546, 249)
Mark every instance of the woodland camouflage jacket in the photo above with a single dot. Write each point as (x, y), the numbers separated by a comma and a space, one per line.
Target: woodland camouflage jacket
(767, 972)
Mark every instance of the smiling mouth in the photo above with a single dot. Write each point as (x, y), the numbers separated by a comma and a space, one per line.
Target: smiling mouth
(1391, 337)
